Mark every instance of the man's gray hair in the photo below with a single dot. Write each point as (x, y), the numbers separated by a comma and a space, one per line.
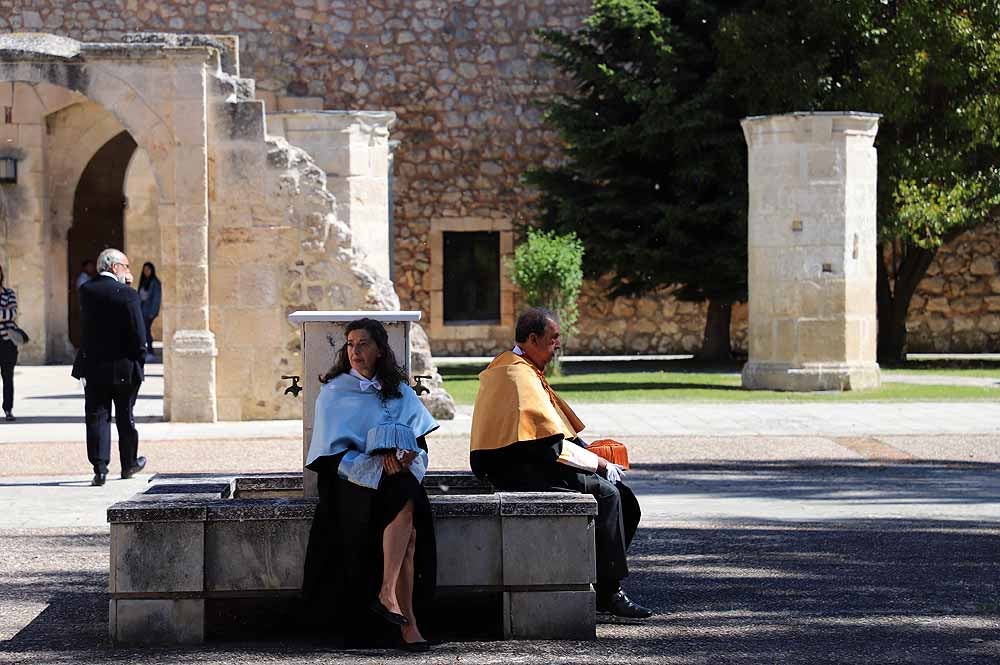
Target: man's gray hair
(108, 258)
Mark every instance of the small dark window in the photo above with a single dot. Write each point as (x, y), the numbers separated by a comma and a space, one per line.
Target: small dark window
(8, 169)
(471, 277)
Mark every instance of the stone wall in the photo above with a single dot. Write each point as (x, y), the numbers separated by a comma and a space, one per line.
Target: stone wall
(352, 148)
(142, 224)
(655, 324)
(956, 309)
(463, 79)
(246, 224)
(957, 306)
(658, 324)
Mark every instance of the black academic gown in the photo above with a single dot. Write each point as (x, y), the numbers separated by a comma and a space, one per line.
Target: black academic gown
(343, 568)
(531, 466)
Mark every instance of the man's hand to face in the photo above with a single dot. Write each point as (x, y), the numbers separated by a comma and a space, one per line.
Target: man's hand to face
(122, 272)
(540, 349)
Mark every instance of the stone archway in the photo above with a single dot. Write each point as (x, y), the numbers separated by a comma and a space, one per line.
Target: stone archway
(275, 242)
(76, 128)
(98, 213)
(158, 95)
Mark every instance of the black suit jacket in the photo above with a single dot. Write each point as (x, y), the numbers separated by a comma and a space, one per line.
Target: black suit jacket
(113, 347)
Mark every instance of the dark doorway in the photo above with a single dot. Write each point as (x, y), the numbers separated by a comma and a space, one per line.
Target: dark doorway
(471, 277)
(98, 214)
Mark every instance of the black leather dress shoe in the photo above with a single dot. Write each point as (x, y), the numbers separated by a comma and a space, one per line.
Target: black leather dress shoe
(378, 608)
(621, 605)
(99, 479)
(140, 464)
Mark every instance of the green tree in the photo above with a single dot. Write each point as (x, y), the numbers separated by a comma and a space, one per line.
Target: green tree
(932, 68)
(653, 178)
(547, 268)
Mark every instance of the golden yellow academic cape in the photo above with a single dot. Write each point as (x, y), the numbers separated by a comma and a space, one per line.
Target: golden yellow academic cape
(515, 403)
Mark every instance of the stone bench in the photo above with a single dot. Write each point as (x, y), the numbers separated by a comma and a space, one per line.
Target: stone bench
(199, 556)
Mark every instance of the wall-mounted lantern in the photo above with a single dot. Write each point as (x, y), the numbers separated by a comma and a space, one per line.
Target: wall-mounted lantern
(8, 169)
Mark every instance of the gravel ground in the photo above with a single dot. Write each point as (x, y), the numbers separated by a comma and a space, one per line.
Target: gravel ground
(758, 582)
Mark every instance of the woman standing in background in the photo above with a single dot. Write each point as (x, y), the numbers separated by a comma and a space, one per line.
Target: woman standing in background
(150, 295)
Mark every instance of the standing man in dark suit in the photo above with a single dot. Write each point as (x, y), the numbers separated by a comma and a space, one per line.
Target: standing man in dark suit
(110, 362)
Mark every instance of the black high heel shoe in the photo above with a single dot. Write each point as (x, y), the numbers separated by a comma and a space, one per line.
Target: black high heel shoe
(414, 647)
(378, 608)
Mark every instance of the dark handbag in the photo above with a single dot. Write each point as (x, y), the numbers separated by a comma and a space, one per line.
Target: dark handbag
(18, 336)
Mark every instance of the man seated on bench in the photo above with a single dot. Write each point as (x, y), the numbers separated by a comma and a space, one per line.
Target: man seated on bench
(525, 438)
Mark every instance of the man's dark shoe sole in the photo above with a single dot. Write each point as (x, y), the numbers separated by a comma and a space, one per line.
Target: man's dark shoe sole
(98, 479)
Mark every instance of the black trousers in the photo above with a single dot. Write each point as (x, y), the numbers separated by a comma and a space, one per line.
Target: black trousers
(618, 511)
(149, 334)
(97, 411)
(8, 358)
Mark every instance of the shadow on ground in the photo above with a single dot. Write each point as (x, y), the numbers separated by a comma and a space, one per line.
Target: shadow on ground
(852, 483)
(754, 591)
(80, 396)
(79, 418)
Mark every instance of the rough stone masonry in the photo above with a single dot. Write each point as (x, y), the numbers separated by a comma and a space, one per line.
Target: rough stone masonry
(464, 77)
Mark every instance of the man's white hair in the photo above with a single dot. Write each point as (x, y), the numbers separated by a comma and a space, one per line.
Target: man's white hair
(109, 257)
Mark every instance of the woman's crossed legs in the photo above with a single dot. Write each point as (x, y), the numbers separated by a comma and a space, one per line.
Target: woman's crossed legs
(399, 544)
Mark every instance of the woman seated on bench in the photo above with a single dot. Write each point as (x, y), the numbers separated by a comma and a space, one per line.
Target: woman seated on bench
(371, 562)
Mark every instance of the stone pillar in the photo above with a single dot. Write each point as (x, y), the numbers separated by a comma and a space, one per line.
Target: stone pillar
(23, 247)
(322, 337)
(352, 147)
(812, 252)
(189, 359)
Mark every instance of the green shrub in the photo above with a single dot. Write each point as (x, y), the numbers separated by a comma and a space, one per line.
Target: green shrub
(548, 269)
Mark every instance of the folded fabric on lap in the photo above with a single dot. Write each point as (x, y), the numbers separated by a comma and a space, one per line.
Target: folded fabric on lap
(390, 435)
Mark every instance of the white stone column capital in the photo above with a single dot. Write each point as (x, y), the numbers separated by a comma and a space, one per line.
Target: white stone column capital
(809, 126)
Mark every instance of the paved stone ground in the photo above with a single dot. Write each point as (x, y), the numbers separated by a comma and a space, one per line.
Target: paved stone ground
(756, 562)
(840, 536)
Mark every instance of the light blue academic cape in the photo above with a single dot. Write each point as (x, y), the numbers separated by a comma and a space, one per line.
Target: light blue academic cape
(345, 414)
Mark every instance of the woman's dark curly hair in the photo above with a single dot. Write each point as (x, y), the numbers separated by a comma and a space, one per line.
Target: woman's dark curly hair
(387, 370)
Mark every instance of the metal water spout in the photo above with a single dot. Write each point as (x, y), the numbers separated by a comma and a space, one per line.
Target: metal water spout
(295, 388)
(420, 388)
